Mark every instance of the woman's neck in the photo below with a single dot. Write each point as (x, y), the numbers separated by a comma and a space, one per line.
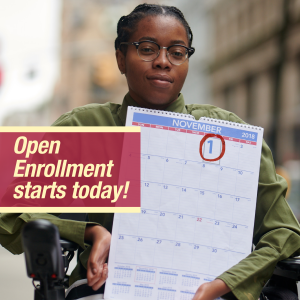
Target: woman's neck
(147, 104)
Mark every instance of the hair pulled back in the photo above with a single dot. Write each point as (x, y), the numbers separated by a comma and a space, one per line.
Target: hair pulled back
(128, 24)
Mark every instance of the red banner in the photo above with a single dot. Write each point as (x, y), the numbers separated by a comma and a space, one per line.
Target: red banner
(70, 170)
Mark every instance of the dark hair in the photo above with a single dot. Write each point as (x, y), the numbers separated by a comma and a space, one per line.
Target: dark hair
(127, 24)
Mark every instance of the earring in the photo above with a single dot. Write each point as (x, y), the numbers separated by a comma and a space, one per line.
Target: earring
(122, 73)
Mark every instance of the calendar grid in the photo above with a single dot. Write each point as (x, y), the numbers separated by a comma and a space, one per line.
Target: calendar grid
(167, 240)
(196, 217)
(200, 189)
(195, 161)
(172, 269)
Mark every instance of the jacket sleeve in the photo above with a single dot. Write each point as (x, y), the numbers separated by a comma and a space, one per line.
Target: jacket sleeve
(276, 235)
(11, 225)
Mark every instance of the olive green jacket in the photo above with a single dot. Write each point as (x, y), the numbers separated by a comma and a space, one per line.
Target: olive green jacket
(276, 230)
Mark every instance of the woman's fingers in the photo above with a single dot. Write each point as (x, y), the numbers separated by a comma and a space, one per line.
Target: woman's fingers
(94, 273)
(96, 267)
(96, 263)
(211, 290)
(102, 279)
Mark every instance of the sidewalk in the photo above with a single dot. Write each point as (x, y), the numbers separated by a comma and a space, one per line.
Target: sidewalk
(14, 283)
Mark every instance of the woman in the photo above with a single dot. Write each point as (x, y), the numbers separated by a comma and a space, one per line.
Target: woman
(155, 72)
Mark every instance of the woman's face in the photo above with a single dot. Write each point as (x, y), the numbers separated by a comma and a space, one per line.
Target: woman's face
(157, 83)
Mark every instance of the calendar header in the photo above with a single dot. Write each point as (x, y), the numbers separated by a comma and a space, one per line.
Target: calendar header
(238, 133)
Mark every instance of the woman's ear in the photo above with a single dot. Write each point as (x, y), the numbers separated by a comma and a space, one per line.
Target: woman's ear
(121, 61)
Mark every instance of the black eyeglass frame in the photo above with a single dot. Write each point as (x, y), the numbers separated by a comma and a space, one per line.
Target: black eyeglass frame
(190, 50)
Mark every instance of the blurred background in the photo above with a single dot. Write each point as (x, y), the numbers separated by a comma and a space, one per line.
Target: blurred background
(59, 54)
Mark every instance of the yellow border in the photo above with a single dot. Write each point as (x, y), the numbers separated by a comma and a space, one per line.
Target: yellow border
(70, 209)
(70, 129)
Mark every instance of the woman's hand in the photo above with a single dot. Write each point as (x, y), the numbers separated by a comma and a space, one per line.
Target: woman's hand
(211, 290)
(97, 270)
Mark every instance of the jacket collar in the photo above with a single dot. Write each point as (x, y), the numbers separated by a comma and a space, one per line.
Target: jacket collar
(177, 106)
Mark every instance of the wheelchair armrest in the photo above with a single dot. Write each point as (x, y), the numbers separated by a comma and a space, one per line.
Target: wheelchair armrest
(68, 245)
(290, 264)
(289, 268)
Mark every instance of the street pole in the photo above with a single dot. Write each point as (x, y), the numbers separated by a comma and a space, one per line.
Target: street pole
(277, 91)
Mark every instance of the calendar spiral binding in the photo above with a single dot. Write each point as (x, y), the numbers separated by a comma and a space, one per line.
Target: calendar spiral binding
(233, 124)
(162, 112)
(187, 116)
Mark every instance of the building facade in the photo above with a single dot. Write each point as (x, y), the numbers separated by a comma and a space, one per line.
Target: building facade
(88, 70)
(254, 68)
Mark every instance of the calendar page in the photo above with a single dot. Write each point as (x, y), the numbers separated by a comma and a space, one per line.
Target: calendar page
(199, 184)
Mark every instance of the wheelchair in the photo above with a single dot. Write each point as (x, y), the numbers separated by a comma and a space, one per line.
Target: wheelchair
(48, 257)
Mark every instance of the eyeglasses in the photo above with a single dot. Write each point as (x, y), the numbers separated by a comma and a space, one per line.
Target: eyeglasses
(148, 51)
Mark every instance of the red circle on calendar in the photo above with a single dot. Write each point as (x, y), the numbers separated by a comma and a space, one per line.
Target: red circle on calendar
(205, 138)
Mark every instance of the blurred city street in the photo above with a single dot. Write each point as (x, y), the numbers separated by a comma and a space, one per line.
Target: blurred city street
(14, 283)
